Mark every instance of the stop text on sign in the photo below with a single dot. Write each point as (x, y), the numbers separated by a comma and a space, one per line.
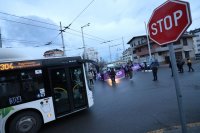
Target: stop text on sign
(166, 23)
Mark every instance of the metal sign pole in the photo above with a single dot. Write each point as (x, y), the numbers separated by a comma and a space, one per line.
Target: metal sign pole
(149, 48)
(177, 86)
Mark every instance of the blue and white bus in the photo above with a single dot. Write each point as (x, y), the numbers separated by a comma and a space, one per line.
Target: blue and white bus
(35, 92)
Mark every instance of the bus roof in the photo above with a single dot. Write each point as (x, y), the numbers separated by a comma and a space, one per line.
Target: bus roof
(29, 59)
(15, 55)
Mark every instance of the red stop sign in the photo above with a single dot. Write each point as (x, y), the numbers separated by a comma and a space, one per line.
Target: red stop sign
(169, 21)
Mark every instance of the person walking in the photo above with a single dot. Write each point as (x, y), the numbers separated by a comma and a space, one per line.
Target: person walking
(145, 66)
(180, 64)
(95, 75)
(126, 70)
(130, 70)
(112, 75)
(154, 67)
(90, 77)
(189, 64)
(102, 75)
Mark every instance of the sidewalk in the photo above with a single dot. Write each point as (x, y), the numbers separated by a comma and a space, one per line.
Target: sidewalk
(191, 128)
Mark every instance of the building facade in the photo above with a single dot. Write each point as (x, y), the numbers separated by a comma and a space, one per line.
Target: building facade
(53, 53)
(196, 40)
(184, 48)
(92, 54)
(126, 55)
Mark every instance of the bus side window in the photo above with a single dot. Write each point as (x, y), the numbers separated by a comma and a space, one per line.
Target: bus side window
(9, 89)
(32, 85)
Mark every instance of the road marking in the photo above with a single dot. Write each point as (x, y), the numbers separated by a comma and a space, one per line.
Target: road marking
(174, 127)
(157, 131)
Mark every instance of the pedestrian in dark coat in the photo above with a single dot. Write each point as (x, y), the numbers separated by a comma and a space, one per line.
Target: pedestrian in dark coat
(178, 65)
(130, 70)
(145, 66)
(154, 67)
(95, 75)
(182, 62)
(102, 75)
(112, 74)
(126, 70)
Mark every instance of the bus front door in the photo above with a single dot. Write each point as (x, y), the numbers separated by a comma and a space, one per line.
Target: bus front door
(59, 85)
(69, 89)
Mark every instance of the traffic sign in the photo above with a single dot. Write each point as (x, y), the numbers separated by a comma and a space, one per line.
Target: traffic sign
(169, 21)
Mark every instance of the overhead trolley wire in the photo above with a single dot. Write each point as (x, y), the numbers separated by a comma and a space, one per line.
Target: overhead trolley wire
(78, 15)
(67, 27)
(28, 24)
(50, 42)
(27, 18)
(87, 34)
(26, 42)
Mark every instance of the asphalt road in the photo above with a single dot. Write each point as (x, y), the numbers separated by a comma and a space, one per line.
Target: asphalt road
(136, 106)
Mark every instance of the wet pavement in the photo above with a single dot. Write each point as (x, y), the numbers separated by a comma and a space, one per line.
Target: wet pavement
(135, 106)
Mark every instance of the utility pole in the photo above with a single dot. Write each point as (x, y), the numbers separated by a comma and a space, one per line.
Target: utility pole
(123, 44)
(110, 50)
(0, 40)
(84, 52)
(110, 54)
(61, 32)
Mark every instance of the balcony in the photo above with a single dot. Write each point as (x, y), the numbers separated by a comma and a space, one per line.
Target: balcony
(161, 49)
(145, 52)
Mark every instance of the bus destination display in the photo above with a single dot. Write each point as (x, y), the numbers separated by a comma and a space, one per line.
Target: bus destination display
(19, 65)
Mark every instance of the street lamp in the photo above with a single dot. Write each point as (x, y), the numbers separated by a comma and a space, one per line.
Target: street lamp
(110, 54)
(88, 24)
(110, 51)
(110, 47)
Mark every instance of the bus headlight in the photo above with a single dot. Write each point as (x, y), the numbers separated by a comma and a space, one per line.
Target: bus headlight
(49, 115)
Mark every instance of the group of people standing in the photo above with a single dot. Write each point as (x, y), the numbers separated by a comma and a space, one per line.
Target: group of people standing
(128, 70)
(180, 63)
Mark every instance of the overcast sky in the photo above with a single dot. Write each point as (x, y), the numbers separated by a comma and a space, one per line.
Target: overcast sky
(109, 20)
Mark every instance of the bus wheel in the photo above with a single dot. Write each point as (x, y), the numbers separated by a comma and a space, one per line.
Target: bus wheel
(25, 122)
